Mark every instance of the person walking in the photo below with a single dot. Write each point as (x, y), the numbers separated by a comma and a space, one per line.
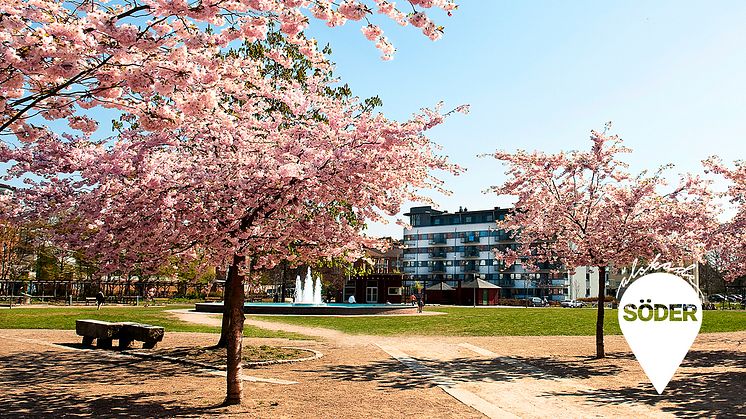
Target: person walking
(420, 302)
(100, 298)
(150, 297)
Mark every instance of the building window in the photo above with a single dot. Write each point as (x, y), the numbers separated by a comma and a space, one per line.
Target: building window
(394, 290)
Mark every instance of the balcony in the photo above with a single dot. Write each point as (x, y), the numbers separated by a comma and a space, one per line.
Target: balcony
(470, 239)
(410, 256)
(560, 283)
(438, 269)
(470, 269)
(438, 241)
(438, 255)
(470, 254)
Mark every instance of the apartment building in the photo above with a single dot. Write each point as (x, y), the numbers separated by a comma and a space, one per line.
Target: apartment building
(457, 247)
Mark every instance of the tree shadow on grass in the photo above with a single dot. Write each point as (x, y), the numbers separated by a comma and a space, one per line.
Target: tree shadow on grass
(56, 384)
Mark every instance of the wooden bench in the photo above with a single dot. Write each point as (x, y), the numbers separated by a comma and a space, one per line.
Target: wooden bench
(125, 332)
(90, 300)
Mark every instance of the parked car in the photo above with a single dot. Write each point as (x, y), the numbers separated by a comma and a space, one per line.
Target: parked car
(572, 303)
(716, 298)
(538, 302)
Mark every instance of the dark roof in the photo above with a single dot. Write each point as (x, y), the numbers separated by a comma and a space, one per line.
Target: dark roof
(440, 286)
(427, 216)
(479, 284)
(394, 251)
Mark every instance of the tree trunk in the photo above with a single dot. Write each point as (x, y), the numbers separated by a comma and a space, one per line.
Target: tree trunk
(225, 326)
(282, 287)
(600, 317)
(234, 302)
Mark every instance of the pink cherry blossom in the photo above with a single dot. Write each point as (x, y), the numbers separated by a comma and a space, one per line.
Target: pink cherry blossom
(122, 56)
(372, 32)
(727, 244)
(583, 208)
(213, 156)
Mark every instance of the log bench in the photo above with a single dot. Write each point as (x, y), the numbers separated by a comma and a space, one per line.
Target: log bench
(125, 332)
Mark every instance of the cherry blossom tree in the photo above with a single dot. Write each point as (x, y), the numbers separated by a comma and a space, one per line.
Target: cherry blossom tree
(213, 155)
(246, 193)
(729, 240)
(583, 208)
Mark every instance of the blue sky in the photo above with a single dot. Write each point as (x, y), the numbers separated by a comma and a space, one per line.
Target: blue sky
(539, 75)
(542, 74)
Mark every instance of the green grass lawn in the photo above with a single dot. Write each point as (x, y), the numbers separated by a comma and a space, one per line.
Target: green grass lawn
(63, 318)
(467, 321)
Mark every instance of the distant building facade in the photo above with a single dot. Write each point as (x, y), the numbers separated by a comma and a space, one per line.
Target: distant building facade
(457, 247)
(584, 283)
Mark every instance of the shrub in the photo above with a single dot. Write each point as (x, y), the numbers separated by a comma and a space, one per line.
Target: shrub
(512, 302)
(607, 299)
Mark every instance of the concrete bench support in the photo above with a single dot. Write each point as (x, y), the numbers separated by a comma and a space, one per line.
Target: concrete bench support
(149, 335)
(102, 331)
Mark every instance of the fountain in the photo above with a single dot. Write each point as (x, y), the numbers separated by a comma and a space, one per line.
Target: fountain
(317, 291)
(307, 292)
(307, 301)
(298, 297)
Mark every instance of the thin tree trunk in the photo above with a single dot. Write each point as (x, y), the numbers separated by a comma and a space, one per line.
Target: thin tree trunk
(225, 326)
(600, 317)
(235, 302)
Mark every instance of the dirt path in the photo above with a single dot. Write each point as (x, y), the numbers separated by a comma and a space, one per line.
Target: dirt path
(548, 376)
(191, 316)
(45, 373)
(334, 337)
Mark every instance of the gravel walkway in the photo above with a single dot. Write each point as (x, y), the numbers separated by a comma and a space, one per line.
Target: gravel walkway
(45, 373)
(550, 376)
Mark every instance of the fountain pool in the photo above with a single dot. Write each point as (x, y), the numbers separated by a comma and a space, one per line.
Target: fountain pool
(333, 309)
(307, 301)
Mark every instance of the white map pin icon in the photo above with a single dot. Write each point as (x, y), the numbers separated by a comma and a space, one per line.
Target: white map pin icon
(660, 315)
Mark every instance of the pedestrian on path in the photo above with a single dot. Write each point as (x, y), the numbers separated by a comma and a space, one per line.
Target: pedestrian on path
(150, 297)
(420, 302)
(100, 298)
